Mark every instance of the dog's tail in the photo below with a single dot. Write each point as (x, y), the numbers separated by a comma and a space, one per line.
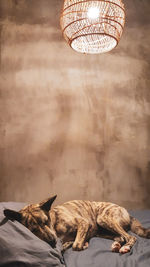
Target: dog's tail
(138, 229)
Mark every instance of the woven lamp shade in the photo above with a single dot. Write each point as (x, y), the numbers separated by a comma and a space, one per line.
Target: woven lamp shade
(92, 26)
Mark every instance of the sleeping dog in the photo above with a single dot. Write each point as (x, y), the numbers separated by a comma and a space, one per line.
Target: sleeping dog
(75, 222)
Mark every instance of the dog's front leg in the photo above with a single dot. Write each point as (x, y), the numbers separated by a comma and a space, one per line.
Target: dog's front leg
(81, 236)
(67, 245)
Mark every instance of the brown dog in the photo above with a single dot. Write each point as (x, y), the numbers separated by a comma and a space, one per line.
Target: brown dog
(75, 222)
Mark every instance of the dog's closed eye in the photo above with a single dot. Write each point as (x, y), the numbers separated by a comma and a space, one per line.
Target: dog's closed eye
(47, 222)
(34, 230)
(42, 221)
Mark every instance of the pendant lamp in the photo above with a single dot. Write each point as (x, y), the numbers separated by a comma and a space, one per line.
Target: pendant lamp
(92, 26)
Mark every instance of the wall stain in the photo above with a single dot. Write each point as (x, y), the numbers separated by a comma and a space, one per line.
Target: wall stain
(72, 121)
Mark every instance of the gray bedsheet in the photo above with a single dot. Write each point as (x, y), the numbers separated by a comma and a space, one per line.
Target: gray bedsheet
(19, 247)
(99, 254)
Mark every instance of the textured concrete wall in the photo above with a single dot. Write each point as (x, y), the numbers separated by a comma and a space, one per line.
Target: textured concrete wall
(73, 124)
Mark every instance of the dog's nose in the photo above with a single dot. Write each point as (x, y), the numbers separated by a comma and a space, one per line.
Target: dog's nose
(53, 243)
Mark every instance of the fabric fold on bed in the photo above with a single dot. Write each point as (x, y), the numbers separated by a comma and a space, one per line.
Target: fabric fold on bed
(20, 247)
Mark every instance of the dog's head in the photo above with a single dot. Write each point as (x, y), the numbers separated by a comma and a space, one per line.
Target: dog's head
(37, 219)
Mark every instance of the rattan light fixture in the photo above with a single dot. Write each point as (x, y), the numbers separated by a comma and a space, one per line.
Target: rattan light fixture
(92, 26)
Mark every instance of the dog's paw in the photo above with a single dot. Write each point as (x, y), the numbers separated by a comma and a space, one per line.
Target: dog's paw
(86, 245)
(115, 246)
(124, 249)
(79, 247)
(67, 245)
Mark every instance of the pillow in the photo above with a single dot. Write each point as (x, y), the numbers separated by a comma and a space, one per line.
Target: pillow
(20, 247)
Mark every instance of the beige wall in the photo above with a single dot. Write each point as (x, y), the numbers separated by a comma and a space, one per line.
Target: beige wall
(72, 124)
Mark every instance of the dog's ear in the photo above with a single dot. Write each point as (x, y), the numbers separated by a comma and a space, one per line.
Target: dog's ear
(46, 205)
(12, 215)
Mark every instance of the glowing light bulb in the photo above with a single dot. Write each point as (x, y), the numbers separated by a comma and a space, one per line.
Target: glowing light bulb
(93, 13)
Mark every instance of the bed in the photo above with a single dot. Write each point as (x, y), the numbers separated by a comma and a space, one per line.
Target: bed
(19, 247)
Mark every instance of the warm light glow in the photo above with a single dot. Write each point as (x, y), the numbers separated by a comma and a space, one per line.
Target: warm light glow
(92, 26)
(93, 13)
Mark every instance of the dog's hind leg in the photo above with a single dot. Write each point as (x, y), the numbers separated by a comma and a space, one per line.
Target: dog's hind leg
(118, 240)
(115, 227)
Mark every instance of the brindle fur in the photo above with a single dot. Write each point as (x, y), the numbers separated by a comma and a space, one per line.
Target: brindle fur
(75, 222)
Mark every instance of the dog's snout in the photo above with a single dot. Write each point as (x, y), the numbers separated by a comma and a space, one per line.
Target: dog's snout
(53, 243)
(50, 236)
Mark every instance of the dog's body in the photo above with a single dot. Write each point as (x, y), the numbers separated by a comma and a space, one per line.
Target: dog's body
(75, 222)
